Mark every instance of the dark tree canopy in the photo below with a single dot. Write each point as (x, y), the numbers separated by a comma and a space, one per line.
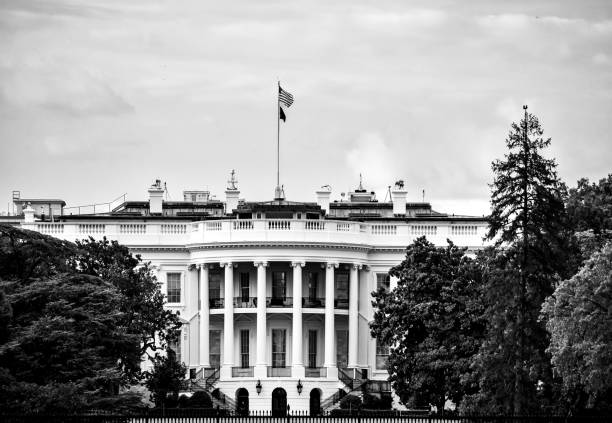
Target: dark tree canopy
(589, 206)
(432, 321)
(165, 378)
(73, 318)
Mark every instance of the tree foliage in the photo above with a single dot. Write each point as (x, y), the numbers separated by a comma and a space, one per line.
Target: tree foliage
(579, 318)
(141, 298)
(72, 323)
(589, 206)
(529, 222)
(165, 378)
(432, 321)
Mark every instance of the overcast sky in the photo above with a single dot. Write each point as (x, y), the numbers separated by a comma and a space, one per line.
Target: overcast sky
(99, 98)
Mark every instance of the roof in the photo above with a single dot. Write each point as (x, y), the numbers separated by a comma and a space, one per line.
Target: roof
(39, 201)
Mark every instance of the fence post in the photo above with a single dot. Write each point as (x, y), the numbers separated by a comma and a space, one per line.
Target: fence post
(288, 413)
(217, 413)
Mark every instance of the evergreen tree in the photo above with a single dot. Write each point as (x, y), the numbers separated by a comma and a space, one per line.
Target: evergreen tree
(529, 222)
(432, 321)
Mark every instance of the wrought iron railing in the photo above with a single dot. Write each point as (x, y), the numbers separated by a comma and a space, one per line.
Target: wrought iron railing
(279, 302)
(216, 303)
(313, 302)
(245, 302)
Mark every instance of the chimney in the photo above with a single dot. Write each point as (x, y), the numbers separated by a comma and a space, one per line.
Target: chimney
(398, 197)
(28, 214)
(323, 196)
(156, 198)
(231, 194)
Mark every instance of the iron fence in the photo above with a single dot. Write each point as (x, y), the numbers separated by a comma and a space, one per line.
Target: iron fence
(216, 416)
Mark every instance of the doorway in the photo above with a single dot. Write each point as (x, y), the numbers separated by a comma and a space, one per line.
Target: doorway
(279, 402)
(242, 402)
(315, 402)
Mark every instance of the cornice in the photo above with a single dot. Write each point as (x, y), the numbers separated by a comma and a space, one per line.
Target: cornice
(288, 244)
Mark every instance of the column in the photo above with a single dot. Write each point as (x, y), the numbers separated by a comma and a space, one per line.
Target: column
(204, 317)
(228, 322)
(353, 322)
(297, 360)
(260, 370)
(330, 331)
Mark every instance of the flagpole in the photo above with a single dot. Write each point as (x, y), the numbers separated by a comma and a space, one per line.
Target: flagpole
(278, 194)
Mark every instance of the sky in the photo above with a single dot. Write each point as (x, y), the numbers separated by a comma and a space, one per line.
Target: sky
(100, 98)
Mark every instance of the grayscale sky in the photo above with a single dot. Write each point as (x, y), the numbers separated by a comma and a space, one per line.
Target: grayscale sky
(99, 98)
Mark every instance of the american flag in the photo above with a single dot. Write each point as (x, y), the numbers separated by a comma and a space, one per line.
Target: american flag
(284, 97)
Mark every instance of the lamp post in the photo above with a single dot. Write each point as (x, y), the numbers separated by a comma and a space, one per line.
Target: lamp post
(258, 387)
(300, 386)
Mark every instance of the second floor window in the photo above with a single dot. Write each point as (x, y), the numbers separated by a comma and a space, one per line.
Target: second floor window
(279, 285)
(244, 287)
(342, 289)
(173, 287)
(244, 349)
(383, 280)
(313, 284)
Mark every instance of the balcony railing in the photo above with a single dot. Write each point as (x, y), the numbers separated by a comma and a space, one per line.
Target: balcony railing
(279, 371)
(242, 371)
(312, 302)
(316, 371)
(245, 302)
(280, 302)
(216, 303)
(341, 303)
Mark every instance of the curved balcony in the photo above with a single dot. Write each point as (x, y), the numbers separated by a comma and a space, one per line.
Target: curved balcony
(216, 303)
(279, 301)
(313, 302)
(245, 302)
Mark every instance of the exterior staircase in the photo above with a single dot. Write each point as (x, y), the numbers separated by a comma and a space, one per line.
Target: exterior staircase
(353, 381)
(205, 380)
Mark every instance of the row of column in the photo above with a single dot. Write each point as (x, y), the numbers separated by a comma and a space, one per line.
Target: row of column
(297, 357)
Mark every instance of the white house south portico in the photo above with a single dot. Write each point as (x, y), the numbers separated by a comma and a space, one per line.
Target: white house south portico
(275, 296)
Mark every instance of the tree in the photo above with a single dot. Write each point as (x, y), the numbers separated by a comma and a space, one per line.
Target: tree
(579, 318)
(589, 206)
(432, 321)
(528, 220)
(165, 379)
(142, 301)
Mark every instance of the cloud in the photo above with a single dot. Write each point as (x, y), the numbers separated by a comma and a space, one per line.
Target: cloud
(60, 90)
(372, 157)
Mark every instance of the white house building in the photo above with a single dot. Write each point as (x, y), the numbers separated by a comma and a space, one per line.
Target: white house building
(275, 296)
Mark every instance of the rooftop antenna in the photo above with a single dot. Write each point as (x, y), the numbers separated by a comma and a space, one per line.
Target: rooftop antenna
(166, 191)
(360, 183)
(423, 195)
(388, 194)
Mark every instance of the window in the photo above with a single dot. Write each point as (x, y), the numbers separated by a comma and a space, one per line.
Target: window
(244, 348)
(279, 285)
(279, 337)
(312, 348)
(342, 289)
(176, 347)
(244, 287)
(382, 355)
(215, 348)
(342, 348)
(214, 290)
(383, 280)
(173, 282)
(313, 284)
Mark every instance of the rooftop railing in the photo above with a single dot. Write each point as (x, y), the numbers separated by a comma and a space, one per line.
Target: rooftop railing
(137, 232)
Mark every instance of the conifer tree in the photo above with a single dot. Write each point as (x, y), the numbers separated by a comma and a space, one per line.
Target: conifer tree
(528, 222)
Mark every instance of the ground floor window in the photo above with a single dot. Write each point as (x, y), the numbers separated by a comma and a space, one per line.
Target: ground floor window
(175, 346)
(382, 355)
(215, 348)
(279, 350)
(342, 348)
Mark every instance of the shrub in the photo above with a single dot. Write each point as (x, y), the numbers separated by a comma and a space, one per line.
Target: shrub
(350, 402)
(200, 399)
